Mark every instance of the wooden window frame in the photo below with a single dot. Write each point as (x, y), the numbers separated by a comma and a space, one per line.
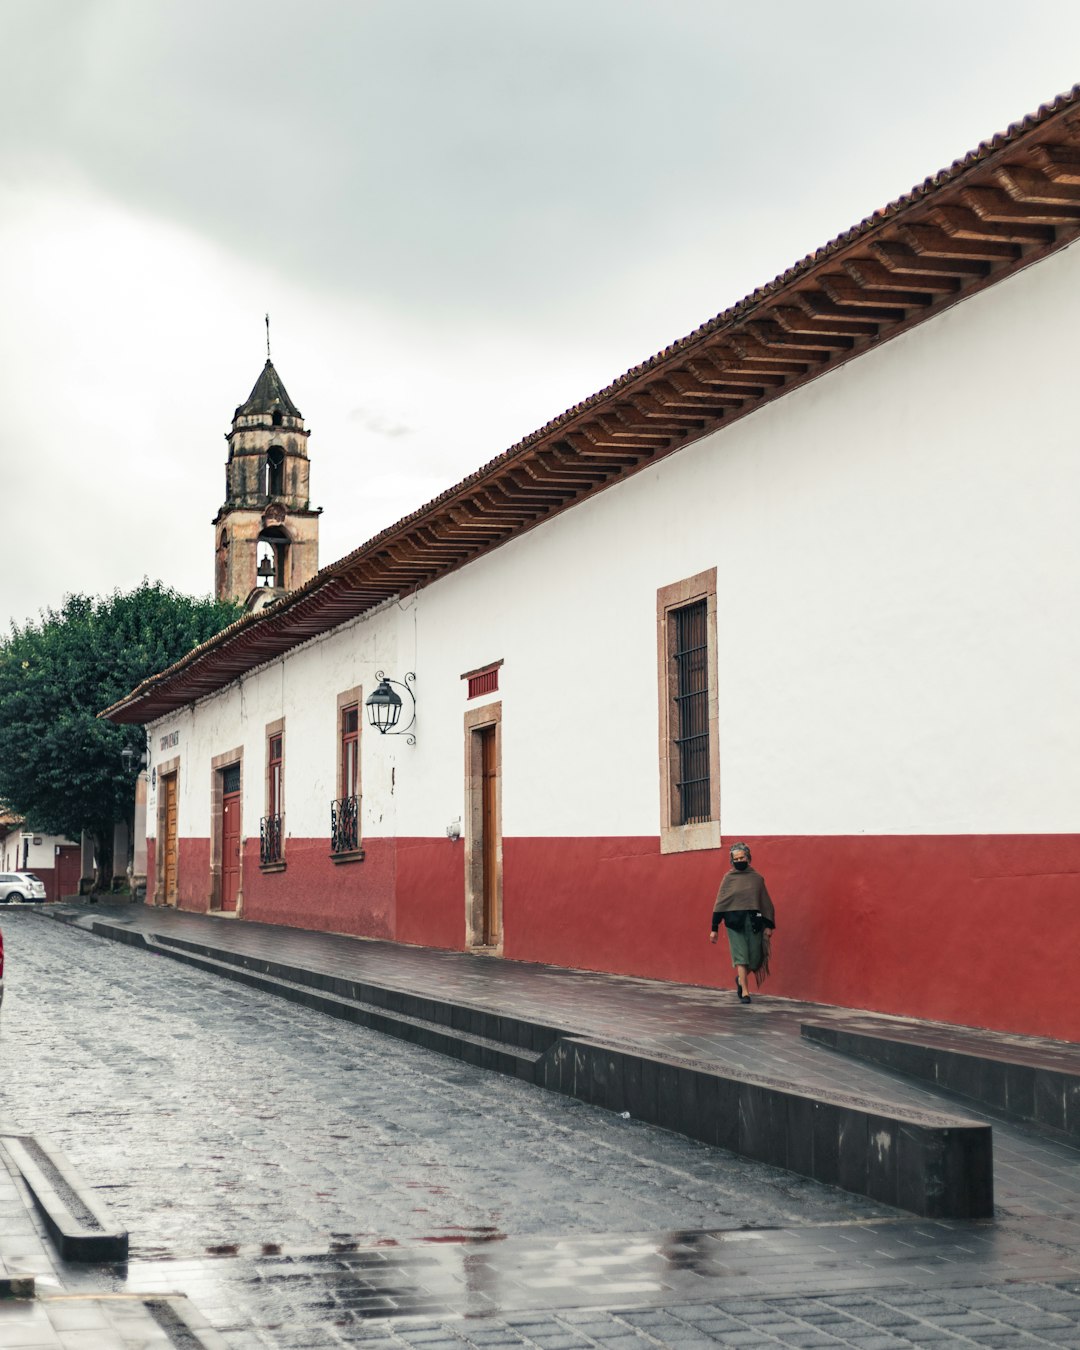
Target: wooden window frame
(346, 699)
(275, 802)
(676, 838)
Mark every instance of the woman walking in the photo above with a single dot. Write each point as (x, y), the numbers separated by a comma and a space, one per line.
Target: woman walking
(744, 907)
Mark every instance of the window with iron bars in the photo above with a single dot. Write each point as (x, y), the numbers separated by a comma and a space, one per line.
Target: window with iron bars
(270, 827)
(269, 840)
(690, 686)
(344, 825)
(345, 811)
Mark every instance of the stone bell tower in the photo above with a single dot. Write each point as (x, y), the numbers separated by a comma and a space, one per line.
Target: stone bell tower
(266, 534)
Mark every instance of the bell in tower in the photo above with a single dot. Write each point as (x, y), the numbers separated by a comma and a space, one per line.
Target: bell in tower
(266, 532)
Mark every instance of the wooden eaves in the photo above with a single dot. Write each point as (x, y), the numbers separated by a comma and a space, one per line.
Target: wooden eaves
(1013, 200)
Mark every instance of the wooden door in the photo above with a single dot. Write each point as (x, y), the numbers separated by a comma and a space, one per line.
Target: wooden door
(68, 870)
(492, 925)
(230, 850)
(168, 788)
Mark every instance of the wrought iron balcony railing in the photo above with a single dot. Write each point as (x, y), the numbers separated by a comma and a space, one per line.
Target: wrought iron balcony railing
(345, 825)
(270, 840)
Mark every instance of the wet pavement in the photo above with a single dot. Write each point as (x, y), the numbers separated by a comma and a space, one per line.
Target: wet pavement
(309, 1183)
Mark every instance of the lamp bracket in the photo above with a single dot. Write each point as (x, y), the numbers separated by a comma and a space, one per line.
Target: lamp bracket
(406, 684)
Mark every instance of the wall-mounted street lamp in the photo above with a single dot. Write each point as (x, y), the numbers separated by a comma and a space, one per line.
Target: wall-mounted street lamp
(384, 706)
(133, 759)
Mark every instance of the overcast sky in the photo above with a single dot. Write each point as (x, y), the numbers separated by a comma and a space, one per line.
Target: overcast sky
(462, 215)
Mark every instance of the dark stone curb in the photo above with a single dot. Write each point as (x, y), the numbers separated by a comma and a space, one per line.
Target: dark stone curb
(184, 1325)
(933, 1164)
(1046, 1095)
(15, 1286)
(80, 1225)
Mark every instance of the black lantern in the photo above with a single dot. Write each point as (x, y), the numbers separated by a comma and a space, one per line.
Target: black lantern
(133, 759)
(384, 706)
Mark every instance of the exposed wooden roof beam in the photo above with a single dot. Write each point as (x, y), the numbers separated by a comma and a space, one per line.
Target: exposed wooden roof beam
(962, 223)
(817, 310)
(1028, 185)
(846, 293)
(817, 346)
(931, 242)
(590, 450)
(626, 424)
(875, 276)
(607, 429)
(736, 368)
(725, 379)
(991, 203)
(691, 395)
(754, 356)
(903, 259)
(1059, 162)
(651, 409)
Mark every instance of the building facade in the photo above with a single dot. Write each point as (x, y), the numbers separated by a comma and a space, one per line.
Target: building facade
(51, 858)
(806, 578)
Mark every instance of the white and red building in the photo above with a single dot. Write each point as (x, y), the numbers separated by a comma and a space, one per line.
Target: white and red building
(51, 858)
(807, 578)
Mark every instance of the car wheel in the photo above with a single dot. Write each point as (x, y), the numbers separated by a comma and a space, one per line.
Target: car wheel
(16, 896)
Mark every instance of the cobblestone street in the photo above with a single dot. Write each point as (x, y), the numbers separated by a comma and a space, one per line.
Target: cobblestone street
(215, 1116)
(310, 1183)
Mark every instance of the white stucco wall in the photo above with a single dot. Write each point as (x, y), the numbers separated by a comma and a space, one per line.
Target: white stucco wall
(897, 572)
(39, 855)
(303, 690)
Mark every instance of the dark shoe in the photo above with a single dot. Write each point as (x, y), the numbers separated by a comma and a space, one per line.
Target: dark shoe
(745, 998)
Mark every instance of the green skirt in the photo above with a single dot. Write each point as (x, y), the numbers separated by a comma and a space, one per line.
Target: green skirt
(745, 946)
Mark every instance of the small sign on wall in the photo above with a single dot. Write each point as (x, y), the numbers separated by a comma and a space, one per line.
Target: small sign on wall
(173, 738)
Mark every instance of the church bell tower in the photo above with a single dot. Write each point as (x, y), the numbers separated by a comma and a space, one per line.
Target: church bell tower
(266, 534)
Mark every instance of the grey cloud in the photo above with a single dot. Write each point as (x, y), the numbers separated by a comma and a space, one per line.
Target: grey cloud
(378, 424)
(463, 158)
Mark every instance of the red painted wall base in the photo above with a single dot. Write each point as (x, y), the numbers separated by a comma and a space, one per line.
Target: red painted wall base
(972, 929)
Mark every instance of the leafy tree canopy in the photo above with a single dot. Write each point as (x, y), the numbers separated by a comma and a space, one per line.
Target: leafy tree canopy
(60, 765)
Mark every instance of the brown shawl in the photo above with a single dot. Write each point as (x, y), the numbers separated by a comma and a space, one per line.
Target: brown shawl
(744, 890)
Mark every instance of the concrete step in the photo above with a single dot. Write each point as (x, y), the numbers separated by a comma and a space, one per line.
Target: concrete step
(485, 1052)
(1027, 1081)
(933, 1163)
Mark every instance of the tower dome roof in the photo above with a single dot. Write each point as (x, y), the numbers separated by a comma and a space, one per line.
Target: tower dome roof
(268, 395)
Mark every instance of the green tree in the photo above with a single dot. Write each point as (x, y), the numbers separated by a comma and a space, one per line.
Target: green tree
(60, 764)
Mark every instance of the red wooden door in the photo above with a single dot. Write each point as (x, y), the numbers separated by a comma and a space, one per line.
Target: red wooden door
(230, 850)
(68, 870)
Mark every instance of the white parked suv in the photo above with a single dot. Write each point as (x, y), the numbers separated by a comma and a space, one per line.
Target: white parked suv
(15, 886)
